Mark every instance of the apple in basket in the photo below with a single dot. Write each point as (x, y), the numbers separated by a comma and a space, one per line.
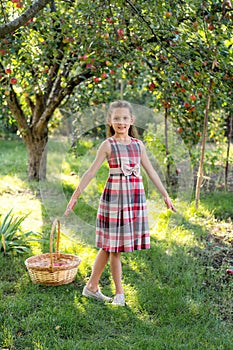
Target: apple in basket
(59, 264)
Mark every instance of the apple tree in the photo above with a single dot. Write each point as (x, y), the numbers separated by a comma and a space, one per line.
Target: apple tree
(69, 45)
(161, 53)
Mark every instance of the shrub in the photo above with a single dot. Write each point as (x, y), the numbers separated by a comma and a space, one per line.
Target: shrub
(13, 239)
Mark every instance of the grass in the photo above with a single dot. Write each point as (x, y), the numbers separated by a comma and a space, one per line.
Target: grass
(178, 293)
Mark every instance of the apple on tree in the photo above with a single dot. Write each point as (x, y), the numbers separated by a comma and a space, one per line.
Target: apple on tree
(104, 75)
(151, 86)
(13, 80)
(2, 52)
(120, 33)
(193, 98)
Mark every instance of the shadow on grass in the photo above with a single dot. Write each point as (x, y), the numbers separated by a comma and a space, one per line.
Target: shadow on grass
(174, 300)
(218, 203)
(167, 307)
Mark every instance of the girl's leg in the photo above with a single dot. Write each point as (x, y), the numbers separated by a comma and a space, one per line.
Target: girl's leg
(116, 270)
(97, 270)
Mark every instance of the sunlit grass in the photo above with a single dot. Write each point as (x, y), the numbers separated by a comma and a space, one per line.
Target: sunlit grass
(177, 296)
(11, 184)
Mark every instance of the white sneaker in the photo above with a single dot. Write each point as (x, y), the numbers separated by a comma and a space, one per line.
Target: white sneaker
(96, 295)
(119, 300)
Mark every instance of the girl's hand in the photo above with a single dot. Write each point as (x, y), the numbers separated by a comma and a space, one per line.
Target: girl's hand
(70, 206)
(169, 204)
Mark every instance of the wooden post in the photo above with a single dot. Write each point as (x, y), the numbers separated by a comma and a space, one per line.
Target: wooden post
(203, 143)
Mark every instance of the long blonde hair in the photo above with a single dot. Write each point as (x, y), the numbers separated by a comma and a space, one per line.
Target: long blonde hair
(120, 104)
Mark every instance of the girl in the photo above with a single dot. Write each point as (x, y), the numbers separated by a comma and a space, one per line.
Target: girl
(122, 223)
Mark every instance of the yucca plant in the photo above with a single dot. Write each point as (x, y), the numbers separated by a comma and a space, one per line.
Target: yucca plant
(13, 239)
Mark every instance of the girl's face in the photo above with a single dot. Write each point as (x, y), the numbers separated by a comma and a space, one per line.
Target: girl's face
(121, 119)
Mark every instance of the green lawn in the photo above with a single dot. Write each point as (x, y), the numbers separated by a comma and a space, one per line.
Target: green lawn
(178, 293)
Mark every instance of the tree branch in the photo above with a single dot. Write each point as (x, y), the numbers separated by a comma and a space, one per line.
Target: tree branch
(17, 112)
(10, 27)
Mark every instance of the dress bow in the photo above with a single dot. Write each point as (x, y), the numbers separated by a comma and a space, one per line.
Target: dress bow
(129, 170)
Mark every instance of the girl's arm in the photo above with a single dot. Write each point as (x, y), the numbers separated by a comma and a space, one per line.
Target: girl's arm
(145, 161)
(102, 154)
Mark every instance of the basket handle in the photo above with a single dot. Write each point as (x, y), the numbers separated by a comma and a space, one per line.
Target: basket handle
(55, 222)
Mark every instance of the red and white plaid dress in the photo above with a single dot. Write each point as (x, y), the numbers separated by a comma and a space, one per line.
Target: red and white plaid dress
(122, 221)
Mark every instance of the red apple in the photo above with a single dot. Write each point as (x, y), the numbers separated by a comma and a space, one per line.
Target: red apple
(179, 129)
(168, 14)
(186, 104)
(104, 75)
(211, 26)
(13, 81)
(199, 94)
(109, 20)
(112, 71)
(178, 171)
(183, 77)
(193, 98)
(120, 33)
(96, 79)
(8, 71)
(151, 86)
(2, 52)
(182, 90)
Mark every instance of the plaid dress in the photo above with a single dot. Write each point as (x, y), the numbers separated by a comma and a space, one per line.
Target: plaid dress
(122, 222)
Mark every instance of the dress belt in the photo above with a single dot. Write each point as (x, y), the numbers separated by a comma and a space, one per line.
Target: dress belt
(113, 171)
(126, 170)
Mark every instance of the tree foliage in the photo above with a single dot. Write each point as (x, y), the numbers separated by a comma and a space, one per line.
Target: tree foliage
(160, 53)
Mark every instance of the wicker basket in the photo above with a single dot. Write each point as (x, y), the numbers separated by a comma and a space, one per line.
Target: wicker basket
(53, 269)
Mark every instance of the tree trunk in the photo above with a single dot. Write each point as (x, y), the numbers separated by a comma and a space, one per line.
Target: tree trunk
(166, 146)
(229, 136)
(37, 157)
